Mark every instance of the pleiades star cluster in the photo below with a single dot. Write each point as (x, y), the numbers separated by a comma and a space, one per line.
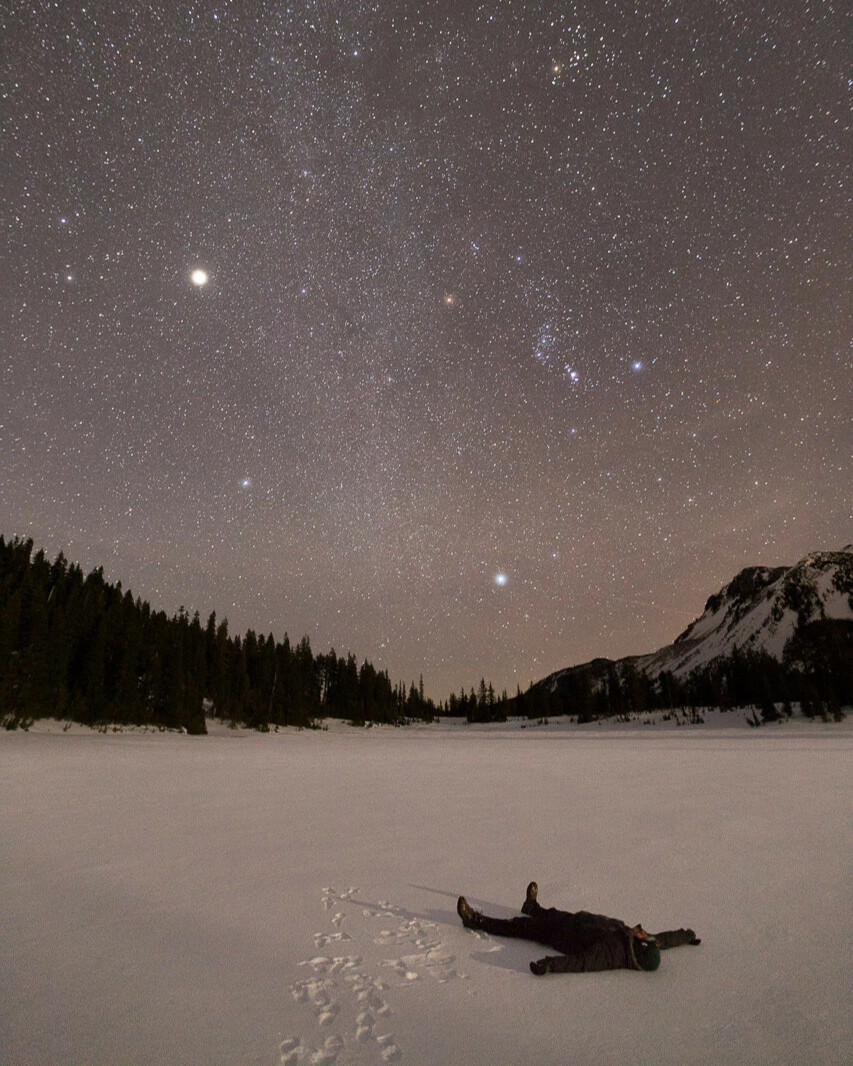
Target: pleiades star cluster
(479, 339)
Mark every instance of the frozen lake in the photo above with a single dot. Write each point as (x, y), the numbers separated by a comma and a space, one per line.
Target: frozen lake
(258, 899)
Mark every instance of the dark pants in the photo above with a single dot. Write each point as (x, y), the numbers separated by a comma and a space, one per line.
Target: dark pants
(543, 926)
(566, 932)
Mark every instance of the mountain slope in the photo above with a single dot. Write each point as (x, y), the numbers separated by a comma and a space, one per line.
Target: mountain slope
(759, 610)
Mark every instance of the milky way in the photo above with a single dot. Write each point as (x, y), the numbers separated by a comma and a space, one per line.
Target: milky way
(477, 339)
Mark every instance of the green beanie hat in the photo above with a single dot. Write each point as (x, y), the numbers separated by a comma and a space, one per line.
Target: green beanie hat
(646, 952)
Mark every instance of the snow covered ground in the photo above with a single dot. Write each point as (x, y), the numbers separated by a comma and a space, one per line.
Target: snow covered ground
(259, 899)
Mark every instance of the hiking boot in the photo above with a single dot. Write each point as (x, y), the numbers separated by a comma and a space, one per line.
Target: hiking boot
(530, 906)
(467, 913)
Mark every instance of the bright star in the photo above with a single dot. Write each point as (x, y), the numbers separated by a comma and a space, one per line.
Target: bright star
(501, 579)
(199, 277)
(246, 483)
(637, 365)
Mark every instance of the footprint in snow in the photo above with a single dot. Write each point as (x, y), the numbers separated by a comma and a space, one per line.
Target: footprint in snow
(401, 968)
(322, 939)
(355, 1007)
(368, 993)
(342, 963)
(319, 964)
(364, 1026)
(293, 1051)
(390, 1051)
(433, 962)
(318, 994)
(290, 1048)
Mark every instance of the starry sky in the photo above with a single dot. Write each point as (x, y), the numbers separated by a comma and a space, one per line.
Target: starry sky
(479, 339)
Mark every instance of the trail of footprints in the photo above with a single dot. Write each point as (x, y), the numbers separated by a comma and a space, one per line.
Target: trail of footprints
(347, 1000)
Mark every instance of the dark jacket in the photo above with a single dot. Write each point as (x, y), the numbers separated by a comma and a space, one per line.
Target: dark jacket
(586, 942)
(589, 942)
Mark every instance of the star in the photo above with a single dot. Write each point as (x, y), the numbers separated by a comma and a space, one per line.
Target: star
(440, 307)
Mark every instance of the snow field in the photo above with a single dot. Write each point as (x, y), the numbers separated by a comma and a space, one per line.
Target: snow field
(193, 900)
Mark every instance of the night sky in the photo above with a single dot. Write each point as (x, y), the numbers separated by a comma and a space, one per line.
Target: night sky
(522, 327)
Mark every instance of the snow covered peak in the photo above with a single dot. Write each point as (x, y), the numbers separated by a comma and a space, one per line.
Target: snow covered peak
(760, 609)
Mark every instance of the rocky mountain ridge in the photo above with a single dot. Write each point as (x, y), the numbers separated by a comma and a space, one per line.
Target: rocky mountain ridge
(760, 610)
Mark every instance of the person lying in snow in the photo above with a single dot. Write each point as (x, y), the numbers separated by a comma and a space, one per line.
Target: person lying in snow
(587, 941)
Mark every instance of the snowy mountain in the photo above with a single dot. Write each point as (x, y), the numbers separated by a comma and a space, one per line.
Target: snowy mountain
(760, 609)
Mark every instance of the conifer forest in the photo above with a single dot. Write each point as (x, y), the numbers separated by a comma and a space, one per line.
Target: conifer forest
(74, 646)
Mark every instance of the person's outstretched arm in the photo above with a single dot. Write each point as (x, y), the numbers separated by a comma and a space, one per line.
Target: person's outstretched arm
(601, 956)
(557, 964)
(674, 938)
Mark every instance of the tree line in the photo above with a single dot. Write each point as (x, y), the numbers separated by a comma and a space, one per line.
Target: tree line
(77, 647)
(80, 648)
(816, 671)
